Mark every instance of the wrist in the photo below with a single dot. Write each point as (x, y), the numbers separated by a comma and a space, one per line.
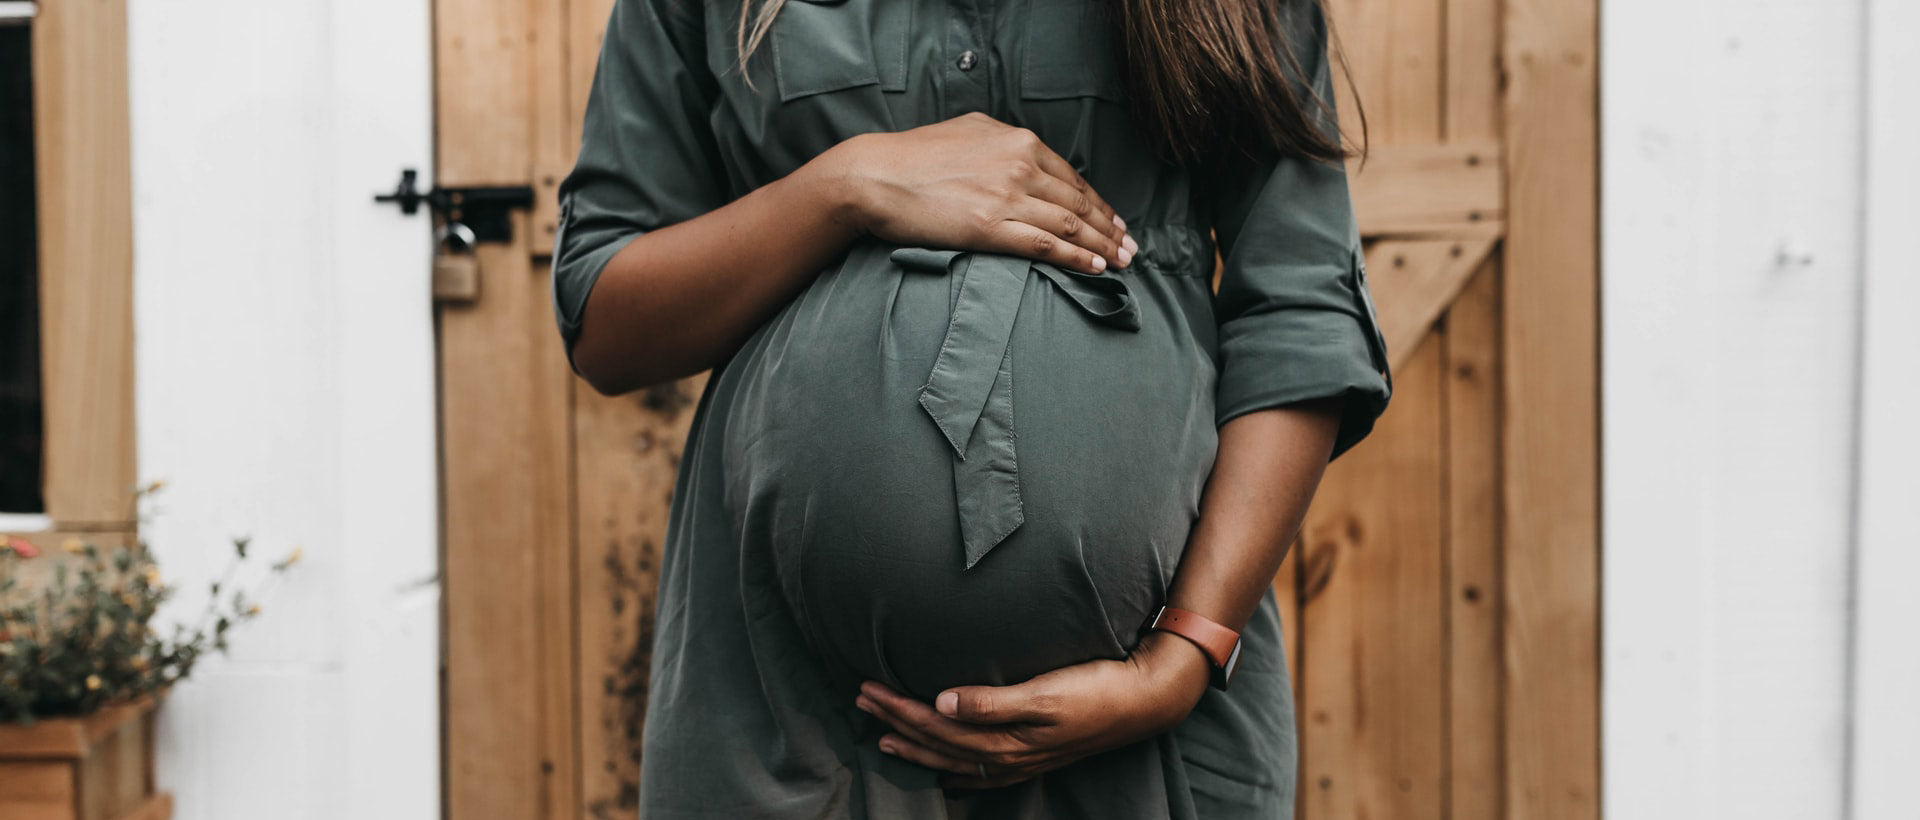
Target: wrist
(1176, 666)
(838, 189)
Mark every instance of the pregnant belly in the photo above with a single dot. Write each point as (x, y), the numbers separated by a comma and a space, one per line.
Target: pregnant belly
(970, 468)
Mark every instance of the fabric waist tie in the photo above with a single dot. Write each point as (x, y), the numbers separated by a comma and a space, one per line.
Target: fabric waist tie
(969, 394)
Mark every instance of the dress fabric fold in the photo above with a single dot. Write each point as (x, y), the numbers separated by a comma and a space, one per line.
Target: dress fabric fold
(938, 466)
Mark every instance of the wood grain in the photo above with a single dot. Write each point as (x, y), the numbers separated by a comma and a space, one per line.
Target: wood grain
(513, 721)
(1430, 188)
(96, 767)
(1374, 676)
(554, 145)
(1395, 49)
(628, 453)
(34, 790)
(1550, 427)
(86, 262)
(1476, 743)
(1415, 282)
(69, 738)
(1473, 81)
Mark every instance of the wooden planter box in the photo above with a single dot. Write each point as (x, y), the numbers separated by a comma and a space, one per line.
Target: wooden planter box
(98, 767)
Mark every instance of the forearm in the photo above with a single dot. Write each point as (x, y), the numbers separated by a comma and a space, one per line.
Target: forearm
(679, 300)
(1269, 465)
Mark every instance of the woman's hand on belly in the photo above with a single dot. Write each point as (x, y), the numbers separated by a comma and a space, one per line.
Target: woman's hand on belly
(1020, 731)
(975, 183)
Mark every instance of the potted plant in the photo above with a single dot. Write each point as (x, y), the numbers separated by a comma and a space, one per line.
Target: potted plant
(82, 666)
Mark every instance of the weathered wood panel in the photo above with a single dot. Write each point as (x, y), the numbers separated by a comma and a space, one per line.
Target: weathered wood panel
(628, 453)
(505, 435)
(1476, 760)
(1550, 429)
(1373, 686)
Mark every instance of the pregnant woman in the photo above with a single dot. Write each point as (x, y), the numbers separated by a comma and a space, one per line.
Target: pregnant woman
(979, 510)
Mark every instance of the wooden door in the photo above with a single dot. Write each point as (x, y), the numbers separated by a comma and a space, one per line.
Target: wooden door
(1442, 604)
(1444, 594)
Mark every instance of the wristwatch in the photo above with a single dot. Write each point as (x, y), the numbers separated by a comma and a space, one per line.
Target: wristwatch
(1220, 644)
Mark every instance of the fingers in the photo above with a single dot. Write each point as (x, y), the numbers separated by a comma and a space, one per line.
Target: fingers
(1059, 169)
(915, 733)
(1086, 220)
(902, 747)
(959, 774)
(1074, 194)
(1020, 703)
(1104, 251)
(1021, 238)
(918, 721)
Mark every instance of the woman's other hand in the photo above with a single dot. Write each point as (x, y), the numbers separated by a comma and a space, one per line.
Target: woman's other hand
(1019, 731)
(975, 183)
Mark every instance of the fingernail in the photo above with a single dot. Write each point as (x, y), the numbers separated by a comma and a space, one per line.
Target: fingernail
(1126, 256)
(1099, 262)
(1118, 222)
(1128, 243)
(887, 746)
(864, 704)
(948, 703)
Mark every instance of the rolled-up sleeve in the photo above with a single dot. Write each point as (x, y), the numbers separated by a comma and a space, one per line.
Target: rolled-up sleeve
(647, 154)
(1296, 320)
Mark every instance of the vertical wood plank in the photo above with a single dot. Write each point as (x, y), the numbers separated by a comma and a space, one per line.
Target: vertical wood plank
(1395, 48)
(1374, 677)
(1475, 743)
(512, 719)
(484, 66)
(628, 453)
(1550, 452)
(86, 262)
(554, 145)
(1472, 70)
(509, 548)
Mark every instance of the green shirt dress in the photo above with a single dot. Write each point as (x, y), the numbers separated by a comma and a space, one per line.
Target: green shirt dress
(938, 467)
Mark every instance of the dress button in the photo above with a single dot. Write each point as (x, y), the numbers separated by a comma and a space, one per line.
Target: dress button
(966, 61)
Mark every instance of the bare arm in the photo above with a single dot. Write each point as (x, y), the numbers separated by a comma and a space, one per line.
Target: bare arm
(677, 300)
(1269, 466)
(674, 301)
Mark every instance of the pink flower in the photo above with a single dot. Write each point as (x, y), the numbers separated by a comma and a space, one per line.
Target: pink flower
(22, 547)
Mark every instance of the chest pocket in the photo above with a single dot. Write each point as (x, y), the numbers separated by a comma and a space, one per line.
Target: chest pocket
(1070, 52)
(829, 45)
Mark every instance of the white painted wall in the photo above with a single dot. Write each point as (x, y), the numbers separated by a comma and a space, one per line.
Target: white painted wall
(1734, 258)
(285, 390)
(1886, 734)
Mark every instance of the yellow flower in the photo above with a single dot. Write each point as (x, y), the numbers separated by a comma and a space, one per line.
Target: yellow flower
(293, 557)
(152, 575)
(93, 682)
(253, 610)
(154, 486)
(140, 662)
(74, 546)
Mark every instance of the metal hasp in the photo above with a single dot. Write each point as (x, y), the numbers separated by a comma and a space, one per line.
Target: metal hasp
(483, 209)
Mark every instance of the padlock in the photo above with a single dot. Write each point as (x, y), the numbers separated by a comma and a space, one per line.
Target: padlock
(456, 270)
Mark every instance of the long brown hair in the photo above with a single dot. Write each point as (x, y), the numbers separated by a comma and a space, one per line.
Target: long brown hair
(1206, 76)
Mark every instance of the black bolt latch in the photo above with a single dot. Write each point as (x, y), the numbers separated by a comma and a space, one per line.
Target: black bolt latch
(482, 209)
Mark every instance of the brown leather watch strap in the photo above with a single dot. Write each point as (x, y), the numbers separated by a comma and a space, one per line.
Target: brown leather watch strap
(1220, 644)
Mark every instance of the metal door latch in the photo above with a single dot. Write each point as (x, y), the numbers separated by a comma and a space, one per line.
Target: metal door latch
(483, 211)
